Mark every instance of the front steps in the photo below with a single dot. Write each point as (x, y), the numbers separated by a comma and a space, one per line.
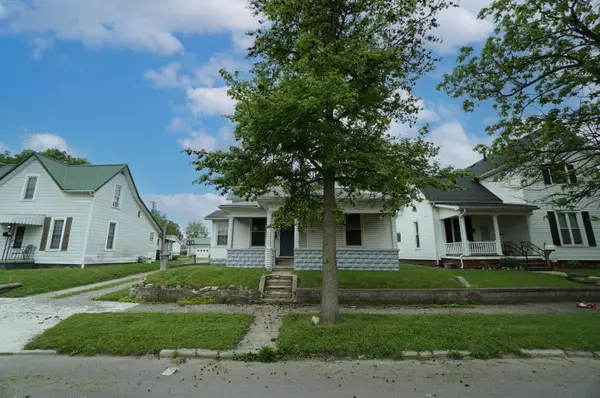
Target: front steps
(278, 288)
(284, 264)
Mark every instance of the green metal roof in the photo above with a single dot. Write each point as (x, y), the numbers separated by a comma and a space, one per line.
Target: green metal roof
(5, 169)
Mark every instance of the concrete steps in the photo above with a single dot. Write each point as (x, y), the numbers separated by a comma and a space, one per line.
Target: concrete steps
(278, 288)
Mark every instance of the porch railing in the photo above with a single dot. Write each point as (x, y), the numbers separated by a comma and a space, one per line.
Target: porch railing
(484, 247)
(454, 248)
(18, 254)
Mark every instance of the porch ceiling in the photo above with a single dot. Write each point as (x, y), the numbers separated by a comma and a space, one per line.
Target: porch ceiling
(22, 219)
(479, 208)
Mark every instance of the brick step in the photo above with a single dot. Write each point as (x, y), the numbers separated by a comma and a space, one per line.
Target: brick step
(287, 288)
(282, 268)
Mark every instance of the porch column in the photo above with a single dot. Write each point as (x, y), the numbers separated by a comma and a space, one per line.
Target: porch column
(269, 241)
(463, 236)
(394, 232)
(497, 235)
(296, 235)
(230, 234)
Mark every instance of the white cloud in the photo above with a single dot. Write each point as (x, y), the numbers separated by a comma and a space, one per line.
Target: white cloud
(43, 141)
(177, 125)
(459, 26)
(140, 25)
(3, 147)
(168, 77)
(209, 101)
(242, 41)
(456, 145)
(208, 74)
(198, 140)
(3, 10)
(185, 207)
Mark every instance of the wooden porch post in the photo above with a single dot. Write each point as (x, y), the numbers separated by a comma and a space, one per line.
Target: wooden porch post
(269, 241)
(394, 232)
(296, 236)
(230, 233)
(497, 235)
(463, 236)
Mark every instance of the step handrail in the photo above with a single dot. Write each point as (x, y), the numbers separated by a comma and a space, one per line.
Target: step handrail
(527, 245)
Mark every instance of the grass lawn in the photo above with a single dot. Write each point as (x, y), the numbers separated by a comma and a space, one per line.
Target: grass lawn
(93, 289)
(591, 271)
(200, 276)
(142, 333)
(421, 277)
(37, 281)
(119, 295)
(385, 336)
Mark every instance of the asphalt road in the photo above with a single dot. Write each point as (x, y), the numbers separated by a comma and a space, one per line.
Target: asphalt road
(55, 376)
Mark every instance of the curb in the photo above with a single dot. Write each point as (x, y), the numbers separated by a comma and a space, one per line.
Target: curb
(30, 352)
(204, 354)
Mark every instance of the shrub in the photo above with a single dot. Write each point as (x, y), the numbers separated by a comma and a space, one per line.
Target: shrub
(483, 265)
(183, 252)
(509, 262)
(175, 257)
(573, 264)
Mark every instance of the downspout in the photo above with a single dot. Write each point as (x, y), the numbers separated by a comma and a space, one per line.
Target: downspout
(87, 230)
(462, 264)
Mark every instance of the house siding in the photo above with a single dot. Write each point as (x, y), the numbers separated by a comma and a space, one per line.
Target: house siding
(429, 234)
(133, 232)
(376, 233)
(51, 201)
(218, 254)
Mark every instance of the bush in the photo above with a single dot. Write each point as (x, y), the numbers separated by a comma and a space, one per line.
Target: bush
(175, 257)
(183, 252)
(573, 264)
(510, 263)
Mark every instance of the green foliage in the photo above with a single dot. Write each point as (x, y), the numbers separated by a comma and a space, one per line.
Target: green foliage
(540, 71)
(202, 276)
(56, 154)
(172, 227)
(196, 229)
(509, 262)
(455, 355)
(573, 264)
(328, 79)
(266, 354)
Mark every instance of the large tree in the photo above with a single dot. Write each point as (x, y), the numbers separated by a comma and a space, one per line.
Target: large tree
(55, 154)
(541, 71)
(329, 77)
(196, 229)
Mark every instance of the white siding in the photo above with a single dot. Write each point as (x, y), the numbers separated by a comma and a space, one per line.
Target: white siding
(202, 251)
(52, 202)
(217, 251)
(133, 232)
(508, 190)
(376, 234)
(513, 228)
(241, 233)
(424, 215)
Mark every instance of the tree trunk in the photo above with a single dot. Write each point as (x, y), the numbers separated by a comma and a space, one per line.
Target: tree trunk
(329, 293)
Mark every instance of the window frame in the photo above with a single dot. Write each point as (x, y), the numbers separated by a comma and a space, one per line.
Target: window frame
(360, 228)
(417, 234)
(454, 229)
(226, 225)
(120, 199)
(580, 227)
(24, 190)
(151, 237)
(252, 232)
(51, 233)
(114, 242)
(568, 174)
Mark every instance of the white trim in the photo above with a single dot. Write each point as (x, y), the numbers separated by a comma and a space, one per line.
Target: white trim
(37, 181)
(114, 236)
(120, 199)
(151, 237)
(580, 225)
(51, 233)
(218, 223)
(87, 231)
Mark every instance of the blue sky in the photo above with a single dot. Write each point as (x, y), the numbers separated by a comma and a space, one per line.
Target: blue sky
(136, 81)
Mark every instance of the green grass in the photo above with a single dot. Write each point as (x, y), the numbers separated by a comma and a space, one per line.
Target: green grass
(421, 277)
(200, 276)
(119, 295)
(142, 333)
(37, 281)
(93, 289)
(591, 271)
(408, 277)
(385, 336)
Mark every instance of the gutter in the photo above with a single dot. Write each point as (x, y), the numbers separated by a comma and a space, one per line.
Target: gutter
(462, 264)
(87, 230)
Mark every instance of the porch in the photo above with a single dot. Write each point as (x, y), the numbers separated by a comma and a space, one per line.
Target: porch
(19, 234)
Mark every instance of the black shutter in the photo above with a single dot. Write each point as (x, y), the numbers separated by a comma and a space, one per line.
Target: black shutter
(589, 231)
(554, 228)
(546, 174)
(66, 234)
(572, 175)
(469, 226)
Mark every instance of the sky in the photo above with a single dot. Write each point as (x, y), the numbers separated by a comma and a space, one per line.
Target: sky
(136, 81)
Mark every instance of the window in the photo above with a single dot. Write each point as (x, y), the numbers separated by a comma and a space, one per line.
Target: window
(559, 174)
(57, 233)
(222, 228)
(117, 196)
(399, 237)
(570, 232)
(19, 235)
(29, 189)
(110, 237)
(417, 238)
(452, 228)
(139, 213)
(353, 230)
(259, 232)
(152, 237)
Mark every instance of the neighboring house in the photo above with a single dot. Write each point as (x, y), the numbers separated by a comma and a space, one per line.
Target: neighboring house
(199, 247)
(242, 237)
(173, 245)
(488, 220)
(53, 213)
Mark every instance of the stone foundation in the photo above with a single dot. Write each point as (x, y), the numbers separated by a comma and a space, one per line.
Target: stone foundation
(246, 258)
(218, 261)
(240, 294)
(349, 259)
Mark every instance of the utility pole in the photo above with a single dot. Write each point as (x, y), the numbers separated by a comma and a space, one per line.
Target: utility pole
(164, 256)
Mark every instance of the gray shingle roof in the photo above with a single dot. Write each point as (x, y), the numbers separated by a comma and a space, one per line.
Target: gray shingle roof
(472, 192)
(216, 215)
(199, 241)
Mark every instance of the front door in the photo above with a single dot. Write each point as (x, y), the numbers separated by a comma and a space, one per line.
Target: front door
(286, 242)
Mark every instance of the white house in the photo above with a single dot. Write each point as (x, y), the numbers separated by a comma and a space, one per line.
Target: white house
(53, 213)
(488, 220)
(242, 237)
(173, 245)
(200, 247)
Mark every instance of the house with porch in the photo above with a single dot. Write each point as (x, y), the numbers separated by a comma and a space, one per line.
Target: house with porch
(57, 214)
(242, 237)
(487, 220)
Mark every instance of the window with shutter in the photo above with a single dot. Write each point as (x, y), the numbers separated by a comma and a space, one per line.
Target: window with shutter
(56, 233)
(560, 174)
(570, 230)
